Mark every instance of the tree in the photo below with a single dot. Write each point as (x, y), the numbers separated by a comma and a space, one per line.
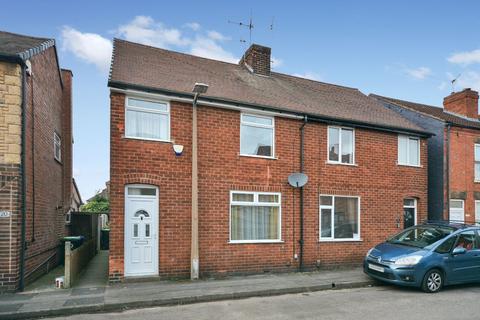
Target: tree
(97, 204)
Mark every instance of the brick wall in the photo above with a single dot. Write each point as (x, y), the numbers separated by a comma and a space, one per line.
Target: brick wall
(45, 175)
(10, 183)
(462, 169)
(45, 113)
(376, 179)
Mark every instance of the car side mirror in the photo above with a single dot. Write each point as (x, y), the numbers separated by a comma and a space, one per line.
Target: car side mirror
(459, 250)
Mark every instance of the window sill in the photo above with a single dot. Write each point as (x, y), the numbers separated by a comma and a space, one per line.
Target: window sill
(409, 165)
(58, 161)
(255, 241)
(342, 164)
(148, 139)
(258, 157)
(341, 240)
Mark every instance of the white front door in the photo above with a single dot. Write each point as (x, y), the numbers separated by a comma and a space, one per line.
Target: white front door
(141, 227)
(457, 211)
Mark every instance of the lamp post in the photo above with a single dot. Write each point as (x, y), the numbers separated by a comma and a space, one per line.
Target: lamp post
(198, 89)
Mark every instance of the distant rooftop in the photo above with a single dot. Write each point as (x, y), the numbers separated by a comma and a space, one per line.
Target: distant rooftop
(12, 44)
(433, 111)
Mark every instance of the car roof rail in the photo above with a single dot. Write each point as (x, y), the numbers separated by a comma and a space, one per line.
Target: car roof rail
(453, 223)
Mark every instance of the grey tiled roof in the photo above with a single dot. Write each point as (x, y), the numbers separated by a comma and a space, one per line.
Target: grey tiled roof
(159, 69)
(433, 111)
(12, 44)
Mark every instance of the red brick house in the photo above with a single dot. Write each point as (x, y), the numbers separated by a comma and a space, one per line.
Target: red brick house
(223, 204)
(454, 151)
(35, 157)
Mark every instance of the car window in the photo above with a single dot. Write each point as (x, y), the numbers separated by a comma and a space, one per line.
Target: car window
(446, 246)
(467, 240)
(421, 236)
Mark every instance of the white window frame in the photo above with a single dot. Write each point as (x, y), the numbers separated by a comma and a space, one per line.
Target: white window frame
(475, 161)
(450, 207)
(57, 141)
(68, 217)
(256, 203)
(477, 214)
(257, 125)
(128, 107)
(340, 146)
(408, 151)
(332, 208)
(414, 207)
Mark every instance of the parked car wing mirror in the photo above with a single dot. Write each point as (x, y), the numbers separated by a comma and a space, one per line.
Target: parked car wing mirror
(459, 250)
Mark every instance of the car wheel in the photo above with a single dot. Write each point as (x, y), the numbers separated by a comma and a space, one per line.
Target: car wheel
(433, 281)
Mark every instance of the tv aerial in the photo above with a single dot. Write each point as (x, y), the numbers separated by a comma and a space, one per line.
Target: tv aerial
(454, 81)
(248, 25)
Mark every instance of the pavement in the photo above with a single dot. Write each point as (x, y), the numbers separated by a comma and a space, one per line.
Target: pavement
(133, 295)
(374, 303)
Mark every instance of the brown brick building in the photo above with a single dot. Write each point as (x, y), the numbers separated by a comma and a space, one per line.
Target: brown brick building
(237, 144)
(454, 153)
(35, 157)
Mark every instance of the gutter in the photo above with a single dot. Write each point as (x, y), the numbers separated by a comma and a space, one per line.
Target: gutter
(133, 89)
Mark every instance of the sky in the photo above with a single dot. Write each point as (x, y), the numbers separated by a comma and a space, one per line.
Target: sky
(404, 49)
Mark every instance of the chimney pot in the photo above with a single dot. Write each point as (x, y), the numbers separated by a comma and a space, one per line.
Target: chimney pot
(257, 59)
(464, 103)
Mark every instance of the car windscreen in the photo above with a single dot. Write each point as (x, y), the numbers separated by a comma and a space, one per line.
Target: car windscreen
(421, 236)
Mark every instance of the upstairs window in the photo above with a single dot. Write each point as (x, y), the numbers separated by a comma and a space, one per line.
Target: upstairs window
(256, 135)
(57, 146)
(149, 120)
(408, 151)
(341, 145)
(477, 162)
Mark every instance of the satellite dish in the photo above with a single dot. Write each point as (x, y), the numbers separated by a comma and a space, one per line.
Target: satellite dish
(297, 180)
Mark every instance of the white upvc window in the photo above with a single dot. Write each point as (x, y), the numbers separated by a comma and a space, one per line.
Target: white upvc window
(255, 217)
(68, 217)
(147, 119)
(257, 135)
(408, 151)
(341, 145)
(339, 218)
(477, 162)
(57, 146)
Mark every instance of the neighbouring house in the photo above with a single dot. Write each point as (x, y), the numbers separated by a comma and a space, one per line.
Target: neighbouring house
(35, 157)
(453, 153)
(199, 180)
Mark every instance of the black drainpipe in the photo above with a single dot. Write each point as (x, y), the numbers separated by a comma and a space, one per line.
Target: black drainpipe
(21, 284)
(447, 175)
(301, 193)
(33, 160)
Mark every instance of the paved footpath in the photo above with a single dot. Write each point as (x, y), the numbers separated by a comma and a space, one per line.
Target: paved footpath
(375, 303)
(163, 293)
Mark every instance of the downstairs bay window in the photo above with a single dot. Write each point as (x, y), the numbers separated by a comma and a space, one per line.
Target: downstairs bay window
(255, 217)
(339, 218)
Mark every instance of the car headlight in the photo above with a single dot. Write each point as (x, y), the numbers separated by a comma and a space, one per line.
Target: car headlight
(369, 251)
(408, 261)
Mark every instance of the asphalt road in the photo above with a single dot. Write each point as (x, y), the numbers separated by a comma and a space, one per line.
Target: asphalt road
(384, 302)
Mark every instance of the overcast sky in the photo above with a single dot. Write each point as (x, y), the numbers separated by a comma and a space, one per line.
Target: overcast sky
(404, 49)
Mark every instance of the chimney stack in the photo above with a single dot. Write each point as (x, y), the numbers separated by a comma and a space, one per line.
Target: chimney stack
(257, 60)
(464, 103)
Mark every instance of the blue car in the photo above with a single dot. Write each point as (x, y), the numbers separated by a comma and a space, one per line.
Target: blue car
(428, 256)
